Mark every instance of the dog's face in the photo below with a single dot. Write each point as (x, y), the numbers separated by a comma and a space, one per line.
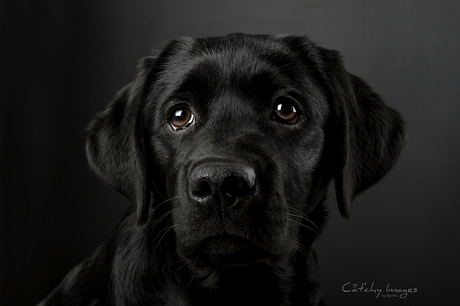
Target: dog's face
(240, 131)
(239, 137)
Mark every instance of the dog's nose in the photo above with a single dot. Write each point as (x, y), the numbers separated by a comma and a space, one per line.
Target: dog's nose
(221, 183)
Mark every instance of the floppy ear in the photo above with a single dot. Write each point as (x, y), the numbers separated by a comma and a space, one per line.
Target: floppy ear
(368, 136)
(116, 148)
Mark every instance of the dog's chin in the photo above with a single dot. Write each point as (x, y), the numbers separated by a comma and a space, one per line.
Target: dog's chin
(226, 250)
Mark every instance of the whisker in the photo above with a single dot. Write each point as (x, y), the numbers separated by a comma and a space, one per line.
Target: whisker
(305, 217)
(163, 217)
(184, 263)
(301, 224)
(164, 231)
(303, 249)
(317, 232)
(165, 201)
(193, 274)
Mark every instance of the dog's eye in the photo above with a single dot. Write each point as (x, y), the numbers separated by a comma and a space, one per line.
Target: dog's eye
(181, 118)
(285, 111)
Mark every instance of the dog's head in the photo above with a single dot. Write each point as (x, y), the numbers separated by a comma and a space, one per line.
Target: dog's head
(240, 136)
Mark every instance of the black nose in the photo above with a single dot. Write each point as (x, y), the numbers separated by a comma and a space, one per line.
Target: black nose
(221, 183)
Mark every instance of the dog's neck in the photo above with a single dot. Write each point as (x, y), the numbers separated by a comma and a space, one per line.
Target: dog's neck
(292, 282)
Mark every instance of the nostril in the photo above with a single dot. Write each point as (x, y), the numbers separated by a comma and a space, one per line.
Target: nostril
(237, 188)
(201, 188)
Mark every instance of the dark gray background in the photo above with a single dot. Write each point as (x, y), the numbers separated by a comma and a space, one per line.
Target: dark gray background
(62, 61)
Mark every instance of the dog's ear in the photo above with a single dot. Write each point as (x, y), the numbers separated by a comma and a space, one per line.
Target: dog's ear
(116, 146)
(366, 136)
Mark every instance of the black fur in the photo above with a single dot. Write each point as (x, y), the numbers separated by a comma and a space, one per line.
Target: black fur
(227, 210)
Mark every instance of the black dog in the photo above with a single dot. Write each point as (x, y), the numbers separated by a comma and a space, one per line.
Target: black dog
(226, 146)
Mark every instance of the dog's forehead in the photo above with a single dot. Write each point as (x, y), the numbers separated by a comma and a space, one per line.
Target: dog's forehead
(251, 52)
(246, 65)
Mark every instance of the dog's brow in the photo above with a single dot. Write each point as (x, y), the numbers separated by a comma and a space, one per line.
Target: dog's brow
(209, 75)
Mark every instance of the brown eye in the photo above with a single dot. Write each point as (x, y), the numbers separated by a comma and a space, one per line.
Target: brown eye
(181, 118)
(285, 112)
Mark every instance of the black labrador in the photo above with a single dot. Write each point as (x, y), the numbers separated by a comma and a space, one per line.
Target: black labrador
(226, 146)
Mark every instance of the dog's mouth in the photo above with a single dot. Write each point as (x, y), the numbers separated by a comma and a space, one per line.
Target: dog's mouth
(228, 251)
